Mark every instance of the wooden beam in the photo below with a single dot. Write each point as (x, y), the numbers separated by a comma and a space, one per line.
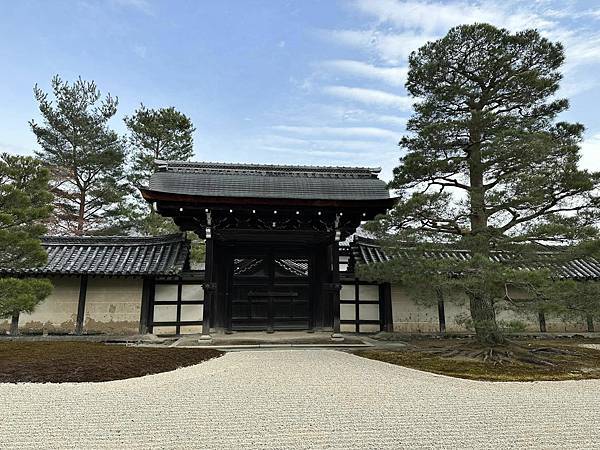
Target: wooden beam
(335, 281)
(83, 280)
(385, 307)
(209, 285)
(357, 305)
(372, 207)
(441, 313)
(178, 317)
(145, 319)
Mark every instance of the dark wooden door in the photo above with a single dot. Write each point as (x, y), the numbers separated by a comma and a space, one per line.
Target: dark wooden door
(270, 290)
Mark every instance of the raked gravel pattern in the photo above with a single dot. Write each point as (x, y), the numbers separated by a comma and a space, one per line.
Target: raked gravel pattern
(295, 399)
(592, 346)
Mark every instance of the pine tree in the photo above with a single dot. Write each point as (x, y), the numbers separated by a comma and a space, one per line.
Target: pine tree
(155, 134)
(487, 165)
(164, 134)
(85, 157)
(25, 202)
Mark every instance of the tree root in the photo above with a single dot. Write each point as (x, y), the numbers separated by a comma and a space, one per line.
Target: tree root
(554, 351)
(509, 353)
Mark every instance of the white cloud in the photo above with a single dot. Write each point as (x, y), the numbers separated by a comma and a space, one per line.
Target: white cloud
(390, 47)
(369, 96)
(362, 132)
(318, 143)
(141, 5)
(437, 17)
(396, 47)
(573, 85)
(359, 115)
(590, 153)
(394, 29)
(140, 50)
(582, 49)
(308, 152)
(579, 50)
(403, 26)
(392, 120)
(352, 38)
(396, 76)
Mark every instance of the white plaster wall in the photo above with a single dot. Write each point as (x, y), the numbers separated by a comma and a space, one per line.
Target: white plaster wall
(191, 312)
(454, 309)
(530, 320)
(348, 328)
(369, 328)
(347, 312)
(553, 324)
(368, 292)
(192, 292)
(165, 292)
(556, 325)
(58, 312)
(348, 292)
(113, 305)
(410, 317)
(190, 329)
(164, 330)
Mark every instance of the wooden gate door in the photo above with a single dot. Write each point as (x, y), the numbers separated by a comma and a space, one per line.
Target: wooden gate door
(270, 290)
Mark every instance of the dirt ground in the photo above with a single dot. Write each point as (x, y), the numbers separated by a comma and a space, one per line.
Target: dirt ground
(59, 362)
(563, 359)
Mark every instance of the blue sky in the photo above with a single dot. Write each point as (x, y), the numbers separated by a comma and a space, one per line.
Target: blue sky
(270, 81)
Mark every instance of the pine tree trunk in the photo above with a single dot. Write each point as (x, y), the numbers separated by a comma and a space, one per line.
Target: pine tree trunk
(482, 309)
(81, 214)
(14, 324)
(484, 321)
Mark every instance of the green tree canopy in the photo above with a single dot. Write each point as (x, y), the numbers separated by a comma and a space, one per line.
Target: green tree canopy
(25, 203)
(163, 133)
(85, 157)
(487, 165)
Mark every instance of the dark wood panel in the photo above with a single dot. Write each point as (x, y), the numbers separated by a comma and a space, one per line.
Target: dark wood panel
(270, 288)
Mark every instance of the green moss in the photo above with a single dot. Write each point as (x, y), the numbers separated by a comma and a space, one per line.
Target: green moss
(581, 363)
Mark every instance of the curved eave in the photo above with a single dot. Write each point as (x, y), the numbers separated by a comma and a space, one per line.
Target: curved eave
(210, 201)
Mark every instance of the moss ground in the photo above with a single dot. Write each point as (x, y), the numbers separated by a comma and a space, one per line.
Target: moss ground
(565, 359)
(65, 361)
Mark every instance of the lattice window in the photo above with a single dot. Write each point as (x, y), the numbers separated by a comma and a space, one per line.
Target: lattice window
(249, 267)
(292, 267)
(177, 307)
(359, 308)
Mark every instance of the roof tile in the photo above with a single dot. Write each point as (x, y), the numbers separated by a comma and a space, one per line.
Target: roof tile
(268, 181)
(112, 255)
(366, 251)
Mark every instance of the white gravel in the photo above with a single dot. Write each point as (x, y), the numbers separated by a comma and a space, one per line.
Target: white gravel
(592, 346)
(300, 399)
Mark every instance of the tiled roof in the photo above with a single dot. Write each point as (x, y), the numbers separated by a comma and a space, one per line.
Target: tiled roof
(369, 252)
(112, 255)
(268, 181)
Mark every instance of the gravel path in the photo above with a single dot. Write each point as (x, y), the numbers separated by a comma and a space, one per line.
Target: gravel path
(300, 399)
(592, 346)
